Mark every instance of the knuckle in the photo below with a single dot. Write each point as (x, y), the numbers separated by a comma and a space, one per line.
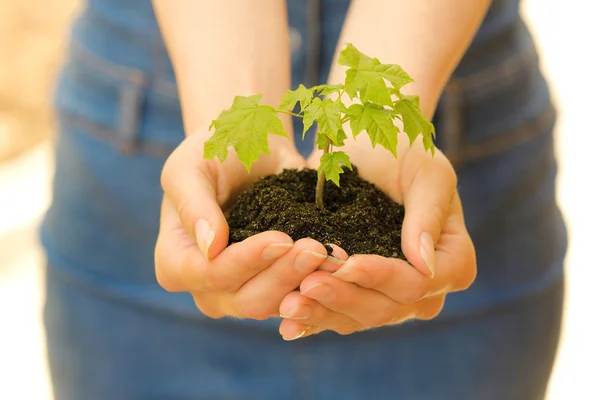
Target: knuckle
(368, 279)
(163, 273)
(166, 282)
(251, 307)
(166, 173)
(186, 210)
(435, 215)
(444, 164)
(203, 276)
(413, 293)
(206, 308)
(469, 273)
(287, 278)
(254, 310)
(345, 329)
(452, 178)
(382, 316)
(193, 271)
(213, 281)
(433, 309)
(468, 278)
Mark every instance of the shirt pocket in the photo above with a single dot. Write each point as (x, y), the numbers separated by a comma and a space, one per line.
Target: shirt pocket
(135, 112)
(497, 99)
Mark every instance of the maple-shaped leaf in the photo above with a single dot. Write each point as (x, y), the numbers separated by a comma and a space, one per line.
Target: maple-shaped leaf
(413, 98)
(331, 165)
(292, 97)
(324, 90)
(245, 126)
(377, 121)
(336, 140)
(366, 76)
(415, 122)
(327, 114)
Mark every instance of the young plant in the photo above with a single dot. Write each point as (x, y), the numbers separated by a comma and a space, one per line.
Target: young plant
(372, 86)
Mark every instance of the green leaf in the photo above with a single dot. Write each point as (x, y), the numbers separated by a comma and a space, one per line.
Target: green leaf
(330, 165)
(413, 98)
(213, 148)
(324, 90)
(378, 122)
(366, 76)
(415, 122)
(326, 113)
(336, 140)
(292, 97)
(245, 126)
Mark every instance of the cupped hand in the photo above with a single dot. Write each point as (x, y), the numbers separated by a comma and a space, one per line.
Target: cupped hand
(370, 291)
(247, 279)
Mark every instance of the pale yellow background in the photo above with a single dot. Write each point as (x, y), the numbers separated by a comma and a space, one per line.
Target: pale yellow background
(31, 38)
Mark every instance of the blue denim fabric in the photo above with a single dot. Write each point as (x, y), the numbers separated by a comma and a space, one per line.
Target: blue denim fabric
(114, 333)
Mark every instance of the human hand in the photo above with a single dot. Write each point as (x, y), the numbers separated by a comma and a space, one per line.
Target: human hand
(371, 291)
(247, 279)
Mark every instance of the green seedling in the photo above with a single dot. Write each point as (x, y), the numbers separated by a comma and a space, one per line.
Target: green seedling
(373, 87)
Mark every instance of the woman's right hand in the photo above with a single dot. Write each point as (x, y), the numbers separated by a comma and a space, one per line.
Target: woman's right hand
(247, 279)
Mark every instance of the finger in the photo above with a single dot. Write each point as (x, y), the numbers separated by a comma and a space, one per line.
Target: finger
(428, 186)
(393, 277)
(180, 265)
(333, 262)
(293, 330)
(174, 247)
(260, 297)
(455, 251)
(368, 307)
(337, 252)
(397, 279)
(196, 190)
(299, 312)
(239, 262)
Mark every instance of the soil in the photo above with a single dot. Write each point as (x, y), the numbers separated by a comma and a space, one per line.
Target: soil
(358, 216)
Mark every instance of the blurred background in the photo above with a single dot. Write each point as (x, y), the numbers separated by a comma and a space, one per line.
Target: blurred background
(33, 34)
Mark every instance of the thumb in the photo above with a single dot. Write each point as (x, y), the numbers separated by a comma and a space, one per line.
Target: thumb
(192, 186)
(426, 203)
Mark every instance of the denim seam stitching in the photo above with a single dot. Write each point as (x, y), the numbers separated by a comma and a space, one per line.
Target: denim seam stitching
(509, 139)
(489, 78)
(110, 136)
(122, 73)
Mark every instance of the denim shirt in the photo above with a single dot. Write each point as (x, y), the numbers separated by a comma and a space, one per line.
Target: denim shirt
(120, 118)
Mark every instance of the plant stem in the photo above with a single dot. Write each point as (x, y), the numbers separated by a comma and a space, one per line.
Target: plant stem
(321, 179)
(289, 113)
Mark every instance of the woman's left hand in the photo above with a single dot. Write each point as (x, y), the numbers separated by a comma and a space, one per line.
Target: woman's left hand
(370, 291)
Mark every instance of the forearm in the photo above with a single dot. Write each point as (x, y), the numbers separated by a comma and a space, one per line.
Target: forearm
(220, 49)
(426, 38)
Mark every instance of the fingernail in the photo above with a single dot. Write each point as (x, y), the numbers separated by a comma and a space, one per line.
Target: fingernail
(320, 292)
(205, 235)
(345, 273)
(428, 252)
(336, 260)
(306, 261)
(276, 250)
(295, 314)
(331, 265)
(349, 273)
(298, 336)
